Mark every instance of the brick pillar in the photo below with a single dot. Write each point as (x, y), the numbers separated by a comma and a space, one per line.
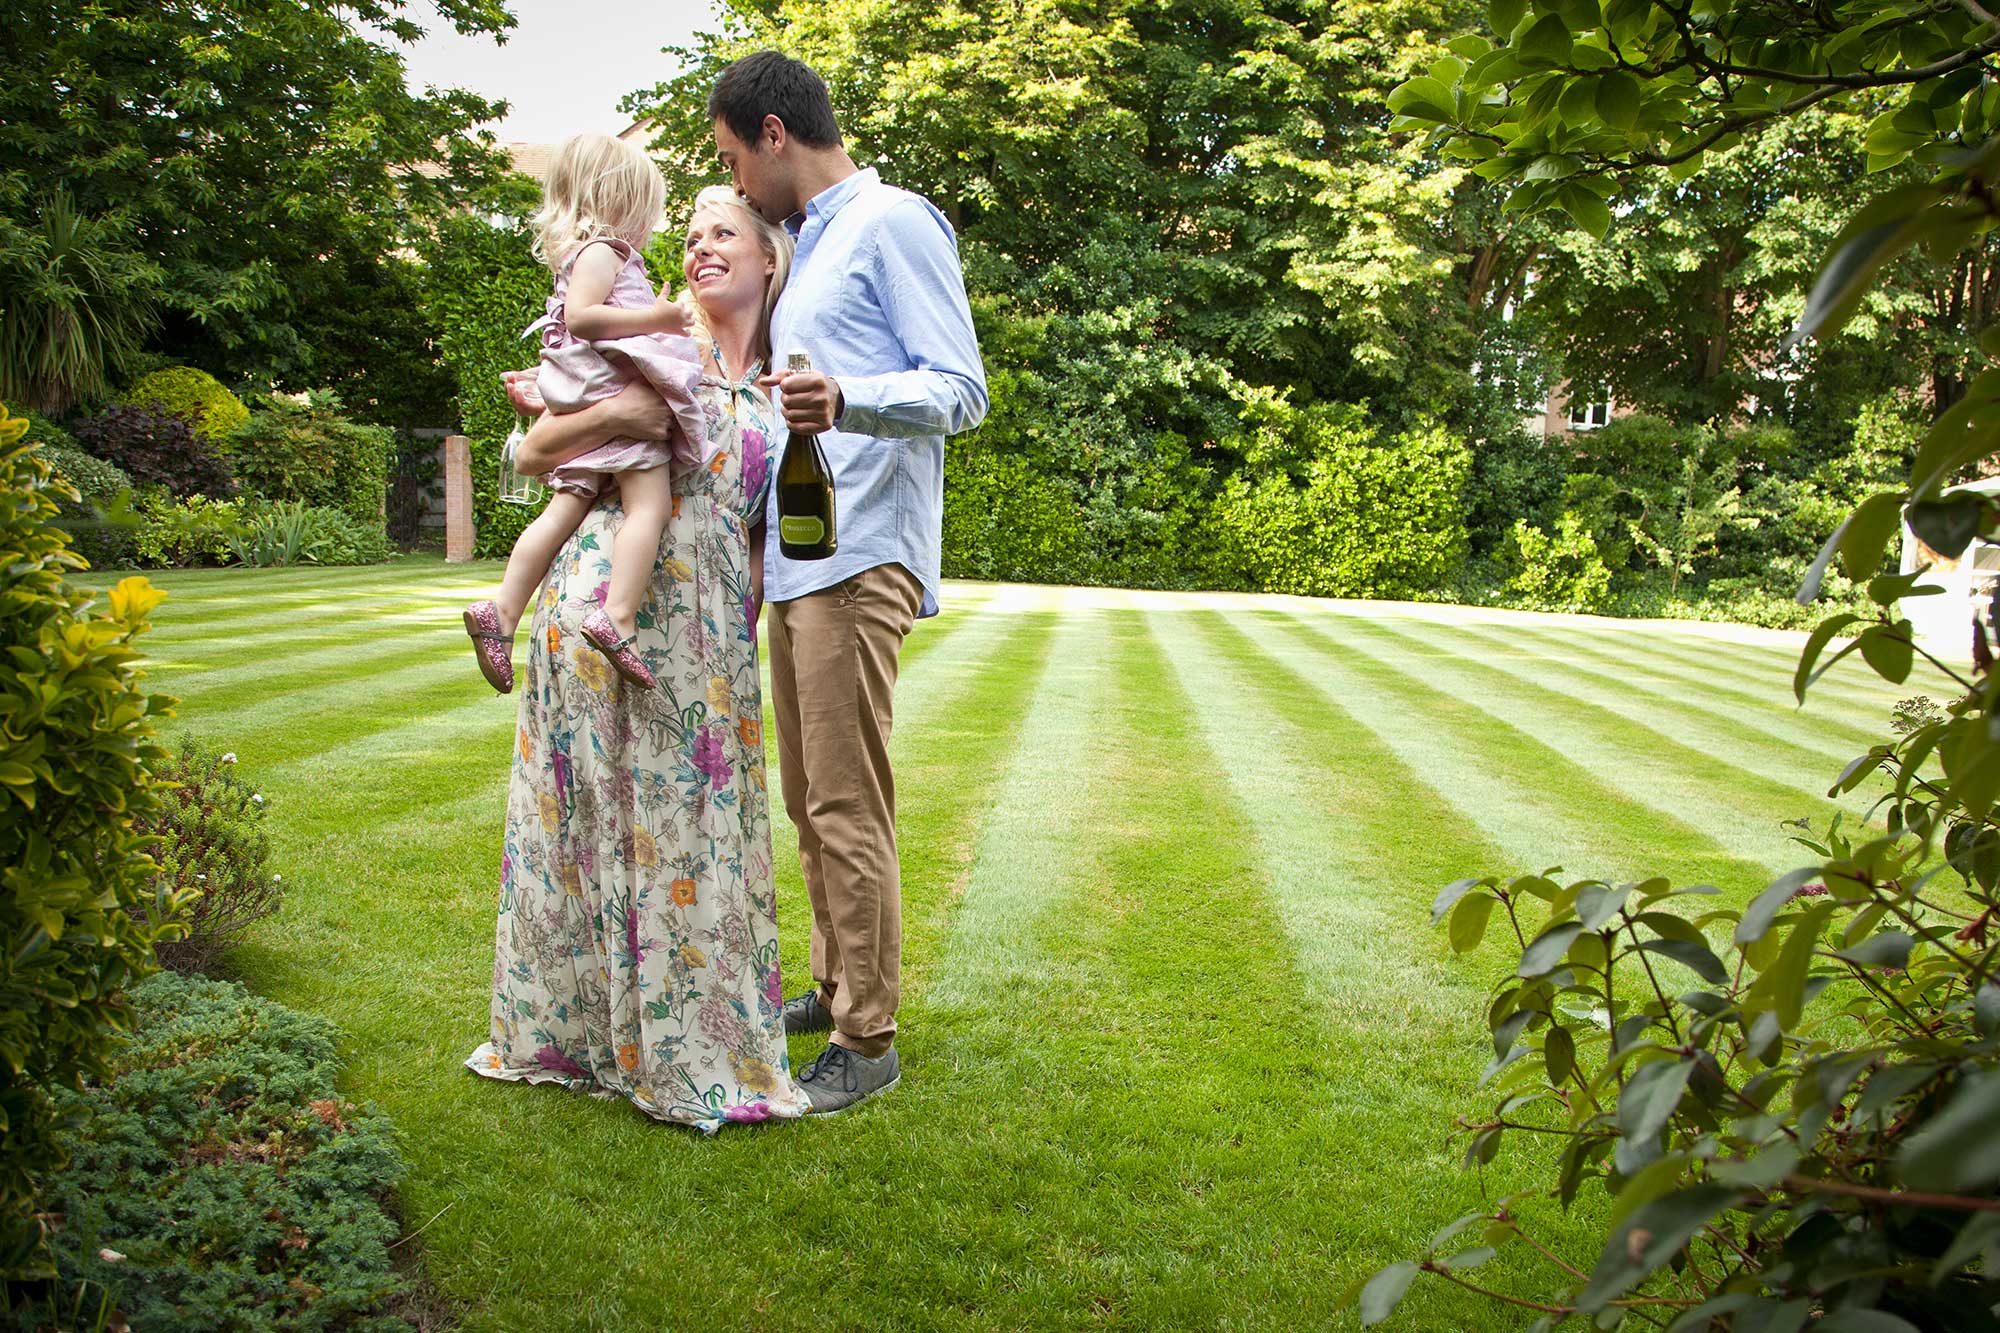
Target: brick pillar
(457, 498)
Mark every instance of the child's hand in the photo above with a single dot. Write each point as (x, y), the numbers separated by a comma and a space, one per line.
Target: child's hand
(675, 316)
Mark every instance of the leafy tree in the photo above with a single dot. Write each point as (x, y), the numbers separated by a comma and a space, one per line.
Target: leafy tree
(76, 300)
(260, 154)
(1678, 523)
(1806, 1137)
(1167, 211)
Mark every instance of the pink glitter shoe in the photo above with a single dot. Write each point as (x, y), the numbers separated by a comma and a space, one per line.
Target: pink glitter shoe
(494, 650)
(597, 627)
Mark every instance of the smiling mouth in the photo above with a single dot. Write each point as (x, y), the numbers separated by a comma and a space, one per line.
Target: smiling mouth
(709, 271)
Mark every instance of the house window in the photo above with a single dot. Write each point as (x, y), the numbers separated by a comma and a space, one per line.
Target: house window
(1592, 412)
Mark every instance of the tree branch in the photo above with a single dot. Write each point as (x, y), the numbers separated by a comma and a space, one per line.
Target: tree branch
(1908, 1198)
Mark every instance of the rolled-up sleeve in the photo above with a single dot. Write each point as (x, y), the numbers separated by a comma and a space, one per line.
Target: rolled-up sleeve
(917, 280)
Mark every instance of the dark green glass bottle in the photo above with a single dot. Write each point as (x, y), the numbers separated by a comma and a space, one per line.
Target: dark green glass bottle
(805, 491)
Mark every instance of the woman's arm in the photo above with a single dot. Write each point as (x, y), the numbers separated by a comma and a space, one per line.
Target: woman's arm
(635, 413)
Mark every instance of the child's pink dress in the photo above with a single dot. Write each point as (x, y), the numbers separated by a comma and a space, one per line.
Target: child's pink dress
(576, 373)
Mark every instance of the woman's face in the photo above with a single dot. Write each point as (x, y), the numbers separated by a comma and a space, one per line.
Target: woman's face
(726, 267)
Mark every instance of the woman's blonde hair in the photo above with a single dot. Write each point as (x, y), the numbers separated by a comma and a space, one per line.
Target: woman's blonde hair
(777, 246)
(597, 187)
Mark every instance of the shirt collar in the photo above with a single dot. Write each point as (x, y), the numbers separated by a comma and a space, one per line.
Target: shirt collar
(832, 199)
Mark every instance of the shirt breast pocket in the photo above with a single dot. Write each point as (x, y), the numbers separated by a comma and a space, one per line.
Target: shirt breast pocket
(819, 316)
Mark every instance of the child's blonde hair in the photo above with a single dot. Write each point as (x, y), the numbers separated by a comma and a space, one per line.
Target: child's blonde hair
(777, 246)
(597, 187)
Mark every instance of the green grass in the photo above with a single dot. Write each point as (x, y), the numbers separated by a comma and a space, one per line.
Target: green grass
(1180, 1047)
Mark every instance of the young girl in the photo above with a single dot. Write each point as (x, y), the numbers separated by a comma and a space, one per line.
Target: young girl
(604, 329)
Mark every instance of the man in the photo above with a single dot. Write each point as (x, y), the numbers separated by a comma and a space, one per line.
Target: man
(877, 300)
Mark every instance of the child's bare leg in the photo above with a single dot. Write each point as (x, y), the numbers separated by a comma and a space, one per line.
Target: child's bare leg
(649, 500)
(534, 551)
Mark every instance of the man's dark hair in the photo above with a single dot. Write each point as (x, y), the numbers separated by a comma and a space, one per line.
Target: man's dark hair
(770, 83)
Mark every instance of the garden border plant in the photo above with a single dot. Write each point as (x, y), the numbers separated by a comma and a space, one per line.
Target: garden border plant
(80, 912)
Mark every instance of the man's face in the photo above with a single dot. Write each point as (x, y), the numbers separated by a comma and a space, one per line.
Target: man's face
(757, 172)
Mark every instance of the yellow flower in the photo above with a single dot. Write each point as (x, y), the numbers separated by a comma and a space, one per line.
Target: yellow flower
(756, 1075)
(718, 694)
(525, 746)
(683, 892)
(752, 731)
(551, 811)
(628, 1057)
(693, 956)
(644, 850)
(592, 669)
(572, 879)
(555, 638)
(680, 569)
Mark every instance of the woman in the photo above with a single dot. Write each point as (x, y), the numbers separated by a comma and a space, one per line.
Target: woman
(637, 951)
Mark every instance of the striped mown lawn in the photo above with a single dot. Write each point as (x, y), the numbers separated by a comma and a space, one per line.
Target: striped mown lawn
(1180, 1048)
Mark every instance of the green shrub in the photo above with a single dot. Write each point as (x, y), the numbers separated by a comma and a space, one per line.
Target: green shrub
(102, 486)
(485, 288)
(78, 735)
(311, 453)
(290, 533)
(338, 538)
(47, 433)
(1338, 513)
(218, 1180)
(1518, 475)
(1557, 573)
(213, 852)
(273, 534)
(106, 545)
(1793, 1130)
(195, 396)
(98, 482)
(172, 533)
(1006, 519)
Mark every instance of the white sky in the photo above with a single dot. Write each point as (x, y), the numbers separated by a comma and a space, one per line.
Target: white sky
(566, 64)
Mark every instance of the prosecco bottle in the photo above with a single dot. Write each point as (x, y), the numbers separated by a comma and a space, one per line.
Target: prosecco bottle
(805, 491)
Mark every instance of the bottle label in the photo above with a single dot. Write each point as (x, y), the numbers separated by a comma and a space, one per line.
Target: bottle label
(801, 530)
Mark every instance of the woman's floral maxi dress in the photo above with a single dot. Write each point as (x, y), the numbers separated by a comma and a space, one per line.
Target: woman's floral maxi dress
(637, 948)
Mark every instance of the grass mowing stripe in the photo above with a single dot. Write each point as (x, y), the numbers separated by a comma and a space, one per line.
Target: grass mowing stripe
(1850, 682)
(356, 646)
(1543, 806)
(1691, 711)
(1018, 865)
(1737, 796)
(428, 612)
(1842, 729)
(1655, 757)
(292, 716)
(1717, 674)
(1353, 889)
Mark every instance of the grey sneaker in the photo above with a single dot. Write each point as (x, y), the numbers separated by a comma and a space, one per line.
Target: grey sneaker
(839, 1078)
(807, 1013)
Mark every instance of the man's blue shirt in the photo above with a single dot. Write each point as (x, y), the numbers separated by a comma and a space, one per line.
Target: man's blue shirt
(877, 300)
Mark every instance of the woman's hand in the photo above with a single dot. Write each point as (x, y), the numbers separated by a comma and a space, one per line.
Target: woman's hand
(635, 413)
(523, 392)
